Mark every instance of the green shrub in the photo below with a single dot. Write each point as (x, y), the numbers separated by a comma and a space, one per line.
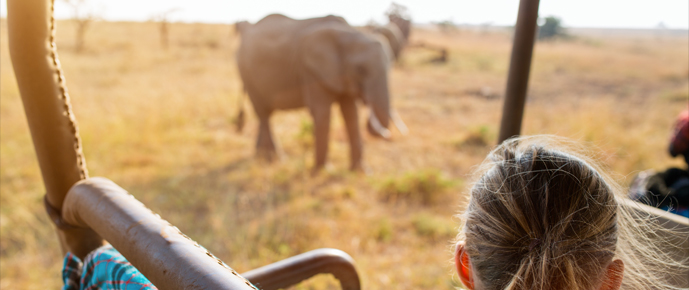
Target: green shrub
(426, 187)
(383, 232)
(305, 134)
(551, 28)
(479, 137)
(433, 227)
(675, 95)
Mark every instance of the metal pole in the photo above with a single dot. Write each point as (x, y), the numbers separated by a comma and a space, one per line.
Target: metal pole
(54, 131)
(520, 65)
(166, 256)
(291, 271)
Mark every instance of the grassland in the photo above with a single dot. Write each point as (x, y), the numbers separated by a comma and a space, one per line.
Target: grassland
(160, 124)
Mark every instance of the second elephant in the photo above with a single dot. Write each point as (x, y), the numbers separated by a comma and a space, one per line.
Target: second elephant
(394, 37)
(286, 64)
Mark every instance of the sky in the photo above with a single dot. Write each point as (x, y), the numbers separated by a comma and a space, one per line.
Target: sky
(574, 13)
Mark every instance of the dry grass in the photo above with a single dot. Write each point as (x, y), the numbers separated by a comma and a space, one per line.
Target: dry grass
(159, 123)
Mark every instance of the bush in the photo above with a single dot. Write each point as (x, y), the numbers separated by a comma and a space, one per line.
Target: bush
(551, 28)
(305, 135)
(384, 231)
(426, 187)
(433, 227)
(479, 137)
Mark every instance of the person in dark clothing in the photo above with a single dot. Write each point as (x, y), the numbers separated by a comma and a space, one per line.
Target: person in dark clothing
(679, 142)
(668, 190)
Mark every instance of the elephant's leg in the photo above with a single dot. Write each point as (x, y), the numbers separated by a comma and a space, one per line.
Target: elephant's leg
(321, 124)
(350, 115)
(265, 146)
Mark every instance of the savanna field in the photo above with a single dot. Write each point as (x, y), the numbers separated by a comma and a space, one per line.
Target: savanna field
(161, 123)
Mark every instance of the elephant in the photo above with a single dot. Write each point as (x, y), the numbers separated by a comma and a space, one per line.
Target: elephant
(240, 26)
(404, 24)
(289, 64)
(394, 37)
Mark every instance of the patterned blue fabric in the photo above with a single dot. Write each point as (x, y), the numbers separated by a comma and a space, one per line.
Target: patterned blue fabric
(104, 268)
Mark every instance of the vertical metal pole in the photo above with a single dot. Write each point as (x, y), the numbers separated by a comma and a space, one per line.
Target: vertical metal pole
(520, 65)
(54, 131)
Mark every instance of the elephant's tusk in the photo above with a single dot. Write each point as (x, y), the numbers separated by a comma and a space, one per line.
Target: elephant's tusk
(382, 131)
(399, 123)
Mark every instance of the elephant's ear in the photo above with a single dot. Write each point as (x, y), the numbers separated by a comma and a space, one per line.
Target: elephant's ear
(321, 57)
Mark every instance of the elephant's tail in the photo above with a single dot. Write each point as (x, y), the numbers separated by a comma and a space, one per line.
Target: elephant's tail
(241, 115)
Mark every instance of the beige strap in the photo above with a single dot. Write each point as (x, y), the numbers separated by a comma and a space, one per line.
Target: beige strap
(56, 216)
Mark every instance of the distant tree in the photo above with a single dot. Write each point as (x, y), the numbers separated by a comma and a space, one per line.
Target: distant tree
(485, 27)
(551, 28)
(446, 26)
(372, 23)
(398, 10)
(399, 15)
(163, 20)
(83, 16)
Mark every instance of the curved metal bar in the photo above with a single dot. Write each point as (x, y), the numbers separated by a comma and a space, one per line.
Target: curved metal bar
(520, 65)
(159, 250)
(295, 269)
(31, 31)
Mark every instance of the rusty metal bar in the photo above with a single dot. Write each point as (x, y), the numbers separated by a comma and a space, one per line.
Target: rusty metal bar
(520, 65)
(54, 131)
(293, 270)
(159, 250)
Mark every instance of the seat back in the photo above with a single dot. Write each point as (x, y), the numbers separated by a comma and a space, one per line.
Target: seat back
(677, 236)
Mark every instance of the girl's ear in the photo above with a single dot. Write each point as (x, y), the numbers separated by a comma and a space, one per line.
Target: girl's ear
(613, 275)
(463, 265)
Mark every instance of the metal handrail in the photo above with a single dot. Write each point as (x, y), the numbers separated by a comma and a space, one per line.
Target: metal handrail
(171, 260)
(293, 270)
(166, 256)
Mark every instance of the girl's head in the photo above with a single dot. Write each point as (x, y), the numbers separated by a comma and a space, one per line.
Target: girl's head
(542, 218)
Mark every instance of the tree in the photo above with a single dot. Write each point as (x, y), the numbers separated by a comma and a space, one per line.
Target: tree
(446, 26)
(163, 19)
(399, 15)
(398, 10)
(551, 28)
(83, 16)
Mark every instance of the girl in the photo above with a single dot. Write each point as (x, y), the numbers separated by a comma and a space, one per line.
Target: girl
(540, 217)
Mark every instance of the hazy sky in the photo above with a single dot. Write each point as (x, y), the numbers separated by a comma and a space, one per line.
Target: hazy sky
(575, 13)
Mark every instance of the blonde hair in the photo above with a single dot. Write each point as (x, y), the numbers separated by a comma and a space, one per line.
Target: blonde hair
(541, 215)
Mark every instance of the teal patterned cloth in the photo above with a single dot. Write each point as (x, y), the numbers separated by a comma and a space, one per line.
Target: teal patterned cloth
(104, 268)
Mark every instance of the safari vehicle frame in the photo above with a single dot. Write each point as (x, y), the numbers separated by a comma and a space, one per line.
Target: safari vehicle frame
(87, 211)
